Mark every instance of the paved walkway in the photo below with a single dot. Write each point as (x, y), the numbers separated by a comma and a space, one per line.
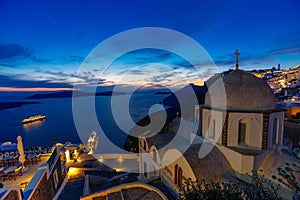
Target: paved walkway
(26, 175)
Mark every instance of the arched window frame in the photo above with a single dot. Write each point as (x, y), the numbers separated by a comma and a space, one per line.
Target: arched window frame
(243, 131)
(212, 128)
(178, 175)
(145, 169)
(145, 145)
(154, 155)
(175, 174)
(275, 130)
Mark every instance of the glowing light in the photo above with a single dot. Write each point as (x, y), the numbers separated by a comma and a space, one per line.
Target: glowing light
(67, 155)
(59, 144)
(73, 171)
(33, 118)
(120, 159)
(119, 169)
(101, 159)
(32, 125)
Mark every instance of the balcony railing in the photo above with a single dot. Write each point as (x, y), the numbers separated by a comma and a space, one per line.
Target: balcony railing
(51, 160)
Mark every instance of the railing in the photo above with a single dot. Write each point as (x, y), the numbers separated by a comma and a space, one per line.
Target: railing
(51, 160)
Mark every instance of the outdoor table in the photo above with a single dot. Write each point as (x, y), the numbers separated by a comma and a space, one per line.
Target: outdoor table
(7, 160)
(18, 171)
(32, 158)
(7, 172)
(7, 157)
(12, 172)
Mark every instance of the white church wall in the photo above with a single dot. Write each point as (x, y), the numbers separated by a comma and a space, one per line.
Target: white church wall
(187, 128)
(170, 159)
(279, 128)
(240, 163)
(208, 127)
(154, 154)
(254, 128)
(146, 162)
(147, 165)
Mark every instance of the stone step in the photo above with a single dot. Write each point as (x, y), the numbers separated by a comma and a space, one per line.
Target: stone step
(100, 198)
(133, 193)
(150, 195)
(115, 196)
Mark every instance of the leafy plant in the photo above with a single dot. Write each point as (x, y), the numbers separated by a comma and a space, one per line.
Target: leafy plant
(259, 188)
(286, 176)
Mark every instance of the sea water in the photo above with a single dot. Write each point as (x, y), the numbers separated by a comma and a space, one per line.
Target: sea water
(59, 125)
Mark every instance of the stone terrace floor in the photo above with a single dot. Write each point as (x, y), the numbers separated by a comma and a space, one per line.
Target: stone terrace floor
(26, 175)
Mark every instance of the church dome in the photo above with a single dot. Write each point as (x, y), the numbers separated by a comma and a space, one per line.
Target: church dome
(243, 91)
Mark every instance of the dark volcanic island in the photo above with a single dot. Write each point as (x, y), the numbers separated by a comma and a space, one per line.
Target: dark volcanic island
(8, 105)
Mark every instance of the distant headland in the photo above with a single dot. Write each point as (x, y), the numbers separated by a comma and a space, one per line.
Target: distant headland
(68, 94)
(164, 92)
(8, 105)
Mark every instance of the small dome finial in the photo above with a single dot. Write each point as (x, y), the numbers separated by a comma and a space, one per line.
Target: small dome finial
(237, 59)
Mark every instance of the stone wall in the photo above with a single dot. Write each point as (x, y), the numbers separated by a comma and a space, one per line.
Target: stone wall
(13, 195)
(46, 189)
(292, 130)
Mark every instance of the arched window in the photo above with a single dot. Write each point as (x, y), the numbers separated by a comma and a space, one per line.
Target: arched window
(275, 131)
(197, 114)
(145, 170)
(242, 132)
(154, 156)
(175, 174)
(145, 145)
(212, 128)
(179, 176)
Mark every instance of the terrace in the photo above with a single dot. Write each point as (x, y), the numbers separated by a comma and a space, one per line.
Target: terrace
(17, 176)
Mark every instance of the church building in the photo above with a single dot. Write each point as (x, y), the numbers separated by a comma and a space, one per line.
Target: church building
(240, 130)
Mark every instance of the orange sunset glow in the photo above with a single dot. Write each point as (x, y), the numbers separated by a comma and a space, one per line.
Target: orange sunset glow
(40, 89)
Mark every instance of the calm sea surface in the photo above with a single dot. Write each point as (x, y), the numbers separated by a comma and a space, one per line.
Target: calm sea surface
(59, 124)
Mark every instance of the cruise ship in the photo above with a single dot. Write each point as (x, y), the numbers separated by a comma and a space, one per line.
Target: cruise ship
(33, 119)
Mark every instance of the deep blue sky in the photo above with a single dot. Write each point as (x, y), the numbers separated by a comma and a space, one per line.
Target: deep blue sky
(42, 43)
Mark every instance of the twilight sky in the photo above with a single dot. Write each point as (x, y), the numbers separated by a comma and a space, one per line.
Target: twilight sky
(43, 43)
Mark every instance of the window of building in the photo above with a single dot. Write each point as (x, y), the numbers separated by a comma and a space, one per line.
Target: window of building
(177, 175)
(179, 181)
(242, 132)
(212, 128)
(145, 145)
(55, 178)
(197, 114)
(275, 130)
(154, 156)
(145, 170)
